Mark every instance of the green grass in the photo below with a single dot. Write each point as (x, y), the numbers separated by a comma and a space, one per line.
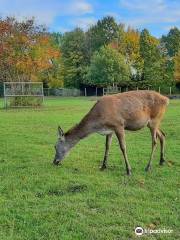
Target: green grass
(77, 201)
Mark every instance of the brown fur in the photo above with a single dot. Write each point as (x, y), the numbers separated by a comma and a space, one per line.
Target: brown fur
(131, 110)
(114, 113)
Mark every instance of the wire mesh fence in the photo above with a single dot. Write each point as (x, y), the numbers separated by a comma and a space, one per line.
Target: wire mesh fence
(23, 94)
(163, 90)
(63, 92)
(27, 93)
(101, 91)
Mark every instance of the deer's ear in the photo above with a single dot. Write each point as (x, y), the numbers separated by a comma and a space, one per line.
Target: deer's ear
(60, 133)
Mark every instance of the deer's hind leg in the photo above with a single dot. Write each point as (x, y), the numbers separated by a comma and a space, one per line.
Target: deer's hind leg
(161, 137)
(154, 135)
(107, 146)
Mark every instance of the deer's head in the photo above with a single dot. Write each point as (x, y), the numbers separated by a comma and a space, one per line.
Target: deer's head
(61, 147)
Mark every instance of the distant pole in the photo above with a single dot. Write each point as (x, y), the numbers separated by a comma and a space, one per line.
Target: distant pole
(126, 89)
(170, 91)
(103, 91)
(22, 88)
(137, 89)
(96, 91)
(42, 93)
(85, 92)
(5, 100)
(159, 89)
(148, 88)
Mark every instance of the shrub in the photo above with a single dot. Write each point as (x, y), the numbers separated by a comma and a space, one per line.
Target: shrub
(20, 101)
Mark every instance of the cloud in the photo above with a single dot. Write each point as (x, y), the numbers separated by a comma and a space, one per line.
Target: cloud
(44, 11)
(167, 28)
(66, 14)
(80, 7)
(141, 13)
(140, 5)
(84, 22)
(112, 14)
(63, 29)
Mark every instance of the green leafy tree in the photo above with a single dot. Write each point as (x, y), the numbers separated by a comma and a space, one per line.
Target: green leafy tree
(153, 62)
(172, 41)
(57, 39)
(129, 46)
(177, 68)
(108, 68)
(54, 76)
(101, 34)
(73, 57)
(171, 47)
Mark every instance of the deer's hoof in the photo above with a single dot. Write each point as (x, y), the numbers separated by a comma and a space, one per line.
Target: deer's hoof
(103, 167)
(148, 168)
(162, 162)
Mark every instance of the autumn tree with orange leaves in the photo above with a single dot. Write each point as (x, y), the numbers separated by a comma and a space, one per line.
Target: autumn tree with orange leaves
(27, 52)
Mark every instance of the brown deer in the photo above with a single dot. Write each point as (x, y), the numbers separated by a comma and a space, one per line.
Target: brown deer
(114, 114)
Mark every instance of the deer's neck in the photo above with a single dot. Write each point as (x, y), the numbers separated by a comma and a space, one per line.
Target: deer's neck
(78, 132)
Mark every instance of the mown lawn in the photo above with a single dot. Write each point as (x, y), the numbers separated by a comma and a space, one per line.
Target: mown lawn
(76, 200)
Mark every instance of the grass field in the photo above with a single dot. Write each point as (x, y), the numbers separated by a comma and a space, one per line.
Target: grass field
(76, 200)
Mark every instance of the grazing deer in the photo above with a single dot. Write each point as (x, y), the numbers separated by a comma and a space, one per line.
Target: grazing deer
(114, 114)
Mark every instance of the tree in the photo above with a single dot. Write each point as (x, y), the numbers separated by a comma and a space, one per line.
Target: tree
(177, 67)
(172, 41)
(150, 53)
(101, 34)
(26, 50)
(129, 46)
(171, 44)
(57, 39)
(107, 67)
(54, 76)
(73, 57)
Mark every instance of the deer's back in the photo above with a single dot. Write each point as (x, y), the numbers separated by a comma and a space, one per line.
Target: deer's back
(133, 108)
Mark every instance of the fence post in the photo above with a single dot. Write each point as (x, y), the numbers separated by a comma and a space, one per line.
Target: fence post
(85, 92)
(159, 89)
(96, 91)
(22, 88)
(170, 90)
(137, 89)
(126, 89)
(5, 100)
(42, 92)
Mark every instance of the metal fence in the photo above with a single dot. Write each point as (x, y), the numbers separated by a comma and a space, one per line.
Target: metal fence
(163, 90)
(23, 94)
(63, 92)
(170, 91)
(100, 91)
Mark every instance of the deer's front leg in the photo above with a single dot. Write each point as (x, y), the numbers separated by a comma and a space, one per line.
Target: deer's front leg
(107, 146)
(120, 133)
